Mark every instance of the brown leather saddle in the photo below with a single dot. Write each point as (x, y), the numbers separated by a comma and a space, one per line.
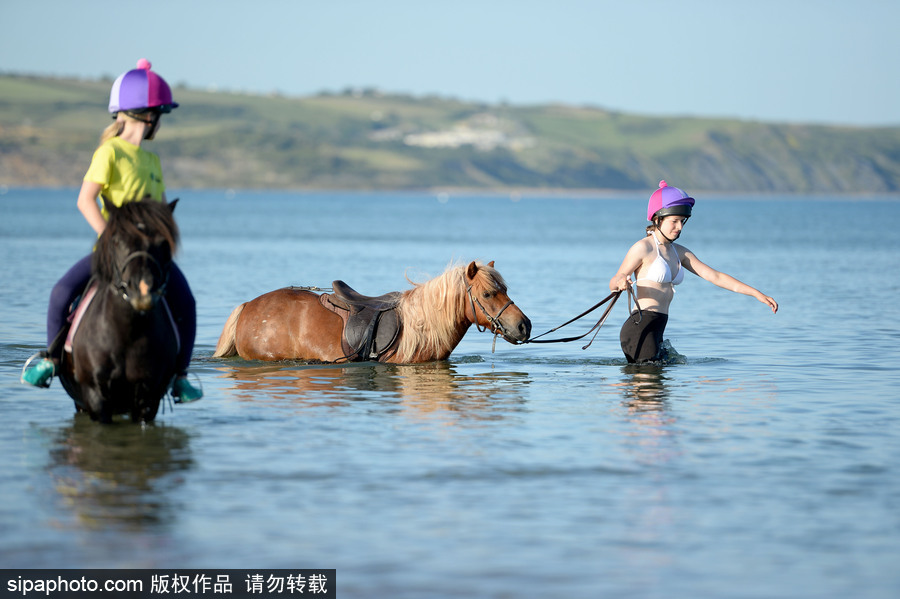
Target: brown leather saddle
(371, 324)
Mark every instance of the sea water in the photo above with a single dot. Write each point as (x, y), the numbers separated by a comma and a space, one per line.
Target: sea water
(763, 464)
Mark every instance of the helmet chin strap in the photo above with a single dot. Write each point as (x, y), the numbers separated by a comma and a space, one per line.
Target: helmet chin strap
(664, 236)
(152, 122)
(658, 230)
(153, 125)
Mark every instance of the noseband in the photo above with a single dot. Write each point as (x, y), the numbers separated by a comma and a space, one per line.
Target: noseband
(496, 327)
(121, 287)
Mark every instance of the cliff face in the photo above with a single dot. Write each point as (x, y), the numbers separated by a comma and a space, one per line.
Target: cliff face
(369, 140)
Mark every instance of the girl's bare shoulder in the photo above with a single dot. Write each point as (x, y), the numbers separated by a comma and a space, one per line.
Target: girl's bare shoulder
(642, 246)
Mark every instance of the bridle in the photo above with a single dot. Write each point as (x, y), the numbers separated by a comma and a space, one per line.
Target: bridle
(496, 327)
(120, 287)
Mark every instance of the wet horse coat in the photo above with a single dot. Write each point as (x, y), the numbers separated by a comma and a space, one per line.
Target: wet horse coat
(122, 355)
(292, 323)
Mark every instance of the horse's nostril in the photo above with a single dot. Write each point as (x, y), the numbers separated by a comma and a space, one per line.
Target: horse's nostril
(525, 328)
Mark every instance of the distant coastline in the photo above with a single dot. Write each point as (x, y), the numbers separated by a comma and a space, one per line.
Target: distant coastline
(360, 140)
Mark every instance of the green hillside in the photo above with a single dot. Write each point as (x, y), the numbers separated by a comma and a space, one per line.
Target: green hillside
(363, 139)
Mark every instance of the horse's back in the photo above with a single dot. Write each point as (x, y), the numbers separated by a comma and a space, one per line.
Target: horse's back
(288, 324)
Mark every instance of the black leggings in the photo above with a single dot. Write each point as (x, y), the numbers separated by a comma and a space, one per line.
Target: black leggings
(642, 336)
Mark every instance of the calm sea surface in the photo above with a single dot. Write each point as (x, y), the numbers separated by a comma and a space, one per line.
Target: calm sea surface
(767, 464)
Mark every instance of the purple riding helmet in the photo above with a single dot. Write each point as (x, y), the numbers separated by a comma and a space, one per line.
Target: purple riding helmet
(667, 201)
(139, 90)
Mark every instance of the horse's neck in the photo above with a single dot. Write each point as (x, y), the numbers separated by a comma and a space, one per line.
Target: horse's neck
(442, 351)
(433, 338)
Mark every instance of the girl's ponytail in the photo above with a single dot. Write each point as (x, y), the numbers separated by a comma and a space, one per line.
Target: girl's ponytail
(114, 130)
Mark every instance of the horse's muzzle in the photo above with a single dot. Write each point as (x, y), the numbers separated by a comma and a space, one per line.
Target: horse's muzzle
(143, 303)
(519, 332)
(145, 299)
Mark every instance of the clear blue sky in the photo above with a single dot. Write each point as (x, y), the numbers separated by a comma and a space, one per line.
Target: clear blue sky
(814, 61)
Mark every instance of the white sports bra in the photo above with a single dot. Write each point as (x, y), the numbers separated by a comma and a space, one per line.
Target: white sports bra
(659, 271)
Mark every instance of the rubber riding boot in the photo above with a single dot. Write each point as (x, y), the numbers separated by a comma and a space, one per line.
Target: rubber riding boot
(40, 374)
(184, 392)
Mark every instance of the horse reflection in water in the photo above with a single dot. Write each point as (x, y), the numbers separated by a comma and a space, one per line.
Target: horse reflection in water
(419, 389)
(121, 477)
(425, 323)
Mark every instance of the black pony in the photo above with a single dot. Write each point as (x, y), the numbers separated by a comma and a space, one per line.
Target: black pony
(123, 351)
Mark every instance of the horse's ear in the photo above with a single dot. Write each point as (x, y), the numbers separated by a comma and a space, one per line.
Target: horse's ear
(471, 270)
(491, 264)
(172, 205)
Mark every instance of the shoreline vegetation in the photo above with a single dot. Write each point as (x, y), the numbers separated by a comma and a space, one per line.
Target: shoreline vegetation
(369, 140)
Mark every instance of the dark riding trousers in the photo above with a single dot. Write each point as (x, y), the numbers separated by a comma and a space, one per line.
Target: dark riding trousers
(178, 295)
(642, 337)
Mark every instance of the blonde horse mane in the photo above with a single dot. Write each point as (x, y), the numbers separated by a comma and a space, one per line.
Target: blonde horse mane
(433, 312)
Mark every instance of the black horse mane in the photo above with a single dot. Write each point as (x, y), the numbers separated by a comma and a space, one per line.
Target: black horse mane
(137, 225)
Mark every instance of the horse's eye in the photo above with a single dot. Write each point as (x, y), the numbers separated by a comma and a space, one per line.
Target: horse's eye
(487, 295)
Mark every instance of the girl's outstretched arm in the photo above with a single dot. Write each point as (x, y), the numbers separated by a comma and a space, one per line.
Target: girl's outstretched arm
(723, 280)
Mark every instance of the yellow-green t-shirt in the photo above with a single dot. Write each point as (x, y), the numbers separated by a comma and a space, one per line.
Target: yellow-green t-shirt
(126, 172)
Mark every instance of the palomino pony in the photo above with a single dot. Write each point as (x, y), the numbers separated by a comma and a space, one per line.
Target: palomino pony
(124, 347)
(429, 320)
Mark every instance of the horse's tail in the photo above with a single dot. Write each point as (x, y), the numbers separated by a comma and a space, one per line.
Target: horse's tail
(226, 346)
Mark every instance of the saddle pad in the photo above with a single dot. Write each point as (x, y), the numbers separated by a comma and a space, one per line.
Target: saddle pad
(81, 308)
(78, 314)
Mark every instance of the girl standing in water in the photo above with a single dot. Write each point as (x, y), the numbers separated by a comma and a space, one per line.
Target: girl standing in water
(655, 264)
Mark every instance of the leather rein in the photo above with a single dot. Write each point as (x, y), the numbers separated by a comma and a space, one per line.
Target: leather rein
(596, 328)
(497, 328)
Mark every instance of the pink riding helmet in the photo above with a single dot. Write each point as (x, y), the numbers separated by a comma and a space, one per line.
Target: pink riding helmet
(140, 89)
(667, 200)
